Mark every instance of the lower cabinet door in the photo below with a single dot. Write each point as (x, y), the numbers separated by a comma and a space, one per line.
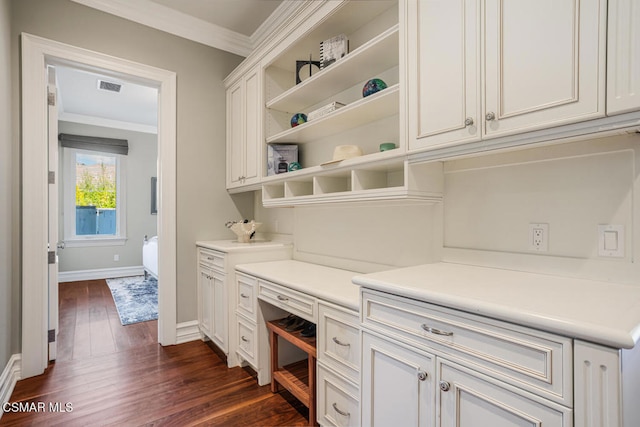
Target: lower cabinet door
(467, 398)
(220, 328)
(397, 384)
(205, 300)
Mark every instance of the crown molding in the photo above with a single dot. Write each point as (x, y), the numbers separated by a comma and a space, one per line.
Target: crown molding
(165, 19)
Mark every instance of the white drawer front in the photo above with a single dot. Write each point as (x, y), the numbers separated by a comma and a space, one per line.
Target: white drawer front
(211, 258)
(338, 401)
(339, 340)
(535, 360)
(246, 295)
(247, 341)
(288, 300)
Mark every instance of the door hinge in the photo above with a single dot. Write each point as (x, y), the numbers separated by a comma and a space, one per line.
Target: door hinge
(52, 335)
(51, 98)
(52, 177)
(52, 257)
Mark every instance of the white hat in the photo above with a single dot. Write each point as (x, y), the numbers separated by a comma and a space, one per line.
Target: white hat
(343, 152)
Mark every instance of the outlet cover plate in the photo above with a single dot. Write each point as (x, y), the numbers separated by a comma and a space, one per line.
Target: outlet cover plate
(611, 241)
(539, 237)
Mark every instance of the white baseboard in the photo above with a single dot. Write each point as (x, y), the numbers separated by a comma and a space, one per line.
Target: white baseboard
(188, 331)
(101, 273)
(10, 375)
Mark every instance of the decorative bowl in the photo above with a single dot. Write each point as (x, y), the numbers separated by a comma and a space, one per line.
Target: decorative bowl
(387, 146)
(298, 119)
(245, 230)
(373, 86)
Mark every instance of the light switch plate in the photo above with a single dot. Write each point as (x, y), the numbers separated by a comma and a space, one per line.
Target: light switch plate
(611, 241)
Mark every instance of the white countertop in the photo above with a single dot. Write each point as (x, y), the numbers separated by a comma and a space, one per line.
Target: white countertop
(232, 245)
(326, 283)
(600, 312)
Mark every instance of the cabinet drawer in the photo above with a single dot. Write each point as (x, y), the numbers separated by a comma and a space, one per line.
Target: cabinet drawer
(247, 341)
(339, 340)
(211, 258)
(246, 295)
(532, 359)
(288, 300)
(338, 402)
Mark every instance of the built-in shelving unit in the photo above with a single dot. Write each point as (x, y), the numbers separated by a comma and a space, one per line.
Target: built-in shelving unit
(353, 181)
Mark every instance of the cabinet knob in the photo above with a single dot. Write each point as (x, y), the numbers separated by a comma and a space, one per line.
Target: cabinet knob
(422, 375)
(445, 386)
(468, 121)
(490, 116)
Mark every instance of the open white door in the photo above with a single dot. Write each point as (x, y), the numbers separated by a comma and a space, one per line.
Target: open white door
(52, 117)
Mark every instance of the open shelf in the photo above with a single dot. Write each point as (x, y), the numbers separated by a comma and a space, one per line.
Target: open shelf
(366, 110)
(370, 59)
(365, 181)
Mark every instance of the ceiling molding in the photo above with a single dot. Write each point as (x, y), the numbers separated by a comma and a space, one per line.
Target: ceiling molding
(165, 19)
(279, 16)
(107, 123)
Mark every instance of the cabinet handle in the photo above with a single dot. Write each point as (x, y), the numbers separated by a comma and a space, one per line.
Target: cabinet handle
(468, 121)
(281, 298)
(244, 339)
(422, 375)
(337, 341)
(344, 414)
(210, 258)
(490, 116)
(244, 296)
(435, 331)
(445, 386)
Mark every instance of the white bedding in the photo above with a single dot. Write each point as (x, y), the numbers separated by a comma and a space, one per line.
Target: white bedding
(150, 256)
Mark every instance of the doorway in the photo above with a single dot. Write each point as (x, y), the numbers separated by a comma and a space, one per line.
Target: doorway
(37, 53)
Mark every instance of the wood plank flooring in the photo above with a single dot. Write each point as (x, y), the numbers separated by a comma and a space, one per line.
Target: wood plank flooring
(111, 374)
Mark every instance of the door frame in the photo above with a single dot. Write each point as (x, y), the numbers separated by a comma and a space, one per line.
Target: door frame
(37, 53)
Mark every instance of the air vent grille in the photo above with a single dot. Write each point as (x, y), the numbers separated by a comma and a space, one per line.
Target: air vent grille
(110, 86)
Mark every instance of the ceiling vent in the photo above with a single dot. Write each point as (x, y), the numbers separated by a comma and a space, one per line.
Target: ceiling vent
(111, 87)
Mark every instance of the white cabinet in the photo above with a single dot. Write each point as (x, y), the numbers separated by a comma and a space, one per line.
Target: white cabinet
(479, 69)
(428, 365)
(623, 57)
(244, 129)
(467, 398)
(212, 298)
(218, 294)
(397, 384)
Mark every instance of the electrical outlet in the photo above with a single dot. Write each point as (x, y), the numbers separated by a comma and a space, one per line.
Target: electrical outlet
(116, 257)
(539, 237)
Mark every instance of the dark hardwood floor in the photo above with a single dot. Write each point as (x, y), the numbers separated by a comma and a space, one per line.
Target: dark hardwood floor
(109, 374)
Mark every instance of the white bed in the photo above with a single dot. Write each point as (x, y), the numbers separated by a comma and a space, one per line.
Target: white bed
(150, 256)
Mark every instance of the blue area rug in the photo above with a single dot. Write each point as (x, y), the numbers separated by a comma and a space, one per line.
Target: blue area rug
(136, 298)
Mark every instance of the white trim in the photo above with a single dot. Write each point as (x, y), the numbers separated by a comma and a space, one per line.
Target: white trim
(100, 273)
(37, 52)
(165, 19)
(107, 123)
(188, 331)
(10, 375)
(94, 242)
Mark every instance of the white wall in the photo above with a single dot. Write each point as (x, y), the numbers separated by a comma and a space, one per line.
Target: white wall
(141, 165)
(8, 318)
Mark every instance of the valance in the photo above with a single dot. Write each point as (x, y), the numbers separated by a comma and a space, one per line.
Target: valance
(94, 143)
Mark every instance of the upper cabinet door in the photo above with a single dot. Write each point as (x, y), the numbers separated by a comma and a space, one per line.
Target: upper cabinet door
(444, 72)
(235, 135)
(544, 63)
(623, 57)
(253, 126)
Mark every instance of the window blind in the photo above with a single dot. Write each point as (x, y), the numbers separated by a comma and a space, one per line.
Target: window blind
(94, 143)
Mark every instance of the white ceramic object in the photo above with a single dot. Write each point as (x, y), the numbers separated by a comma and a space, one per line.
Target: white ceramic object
(244, 230)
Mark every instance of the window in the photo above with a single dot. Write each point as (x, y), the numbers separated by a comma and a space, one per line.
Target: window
(94, 211)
